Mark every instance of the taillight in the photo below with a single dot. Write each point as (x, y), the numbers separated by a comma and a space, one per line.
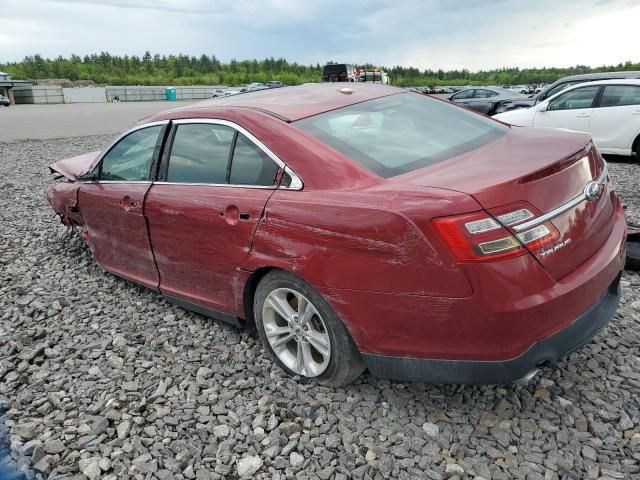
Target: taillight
(480, 237)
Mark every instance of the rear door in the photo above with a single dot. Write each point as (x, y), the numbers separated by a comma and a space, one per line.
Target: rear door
(112, 207)
(464, 97)
(482, 100)
(616, 120)
(215, 181)
(572, 110)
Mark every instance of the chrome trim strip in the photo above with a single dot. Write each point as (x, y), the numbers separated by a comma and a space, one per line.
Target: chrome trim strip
(260, 187)
(562, 208)
(296, 181)
(148, 182)
(131, 130)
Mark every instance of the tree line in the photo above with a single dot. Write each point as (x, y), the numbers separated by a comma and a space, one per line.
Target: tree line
(107, 69)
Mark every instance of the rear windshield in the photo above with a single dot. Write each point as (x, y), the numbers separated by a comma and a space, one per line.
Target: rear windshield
(403, 132)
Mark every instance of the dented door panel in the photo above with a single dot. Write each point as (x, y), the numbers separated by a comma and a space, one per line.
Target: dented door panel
(116, 231)
(201, 236)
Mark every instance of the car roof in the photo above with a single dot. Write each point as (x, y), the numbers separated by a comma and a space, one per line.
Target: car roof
(603, 75)
(294, 103)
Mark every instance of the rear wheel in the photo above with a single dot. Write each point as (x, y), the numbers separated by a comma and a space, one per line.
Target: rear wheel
(302, 332)
(635, 150)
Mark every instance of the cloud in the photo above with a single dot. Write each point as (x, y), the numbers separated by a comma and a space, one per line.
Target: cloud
(473, 34)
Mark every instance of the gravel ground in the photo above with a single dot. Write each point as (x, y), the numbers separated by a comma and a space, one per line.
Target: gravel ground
(101, 378)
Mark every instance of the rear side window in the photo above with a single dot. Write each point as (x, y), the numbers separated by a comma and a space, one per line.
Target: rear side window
(200, 153)
(217, 154)
(482, 93)
(575, 99)
(130, 159)
(403, 132)
(250, 165)
(620, 95)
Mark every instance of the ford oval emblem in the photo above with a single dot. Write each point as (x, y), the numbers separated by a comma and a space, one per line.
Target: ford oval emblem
(591, 191)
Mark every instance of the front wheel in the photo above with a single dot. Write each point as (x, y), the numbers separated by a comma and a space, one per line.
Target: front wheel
(302, 332)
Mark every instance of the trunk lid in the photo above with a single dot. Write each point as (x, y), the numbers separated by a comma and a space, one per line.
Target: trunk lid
(546, 169)
(75, 167)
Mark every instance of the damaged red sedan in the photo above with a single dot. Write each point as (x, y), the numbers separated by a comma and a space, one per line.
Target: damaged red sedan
(361, 227)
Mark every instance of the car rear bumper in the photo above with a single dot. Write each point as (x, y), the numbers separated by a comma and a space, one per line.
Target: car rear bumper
(546, 351)
(496, 335)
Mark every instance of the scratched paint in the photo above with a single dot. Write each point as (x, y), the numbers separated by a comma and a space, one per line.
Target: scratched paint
(365, 243)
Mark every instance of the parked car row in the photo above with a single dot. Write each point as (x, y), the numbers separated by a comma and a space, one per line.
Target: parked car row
(526, 89)
(488, 100)
(609, 110)
(225, 92)
(605, 105)
(429, 90)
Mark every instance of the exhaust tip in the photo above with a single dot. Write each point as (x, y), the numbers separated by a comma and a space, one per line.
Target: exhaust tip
(527, 378)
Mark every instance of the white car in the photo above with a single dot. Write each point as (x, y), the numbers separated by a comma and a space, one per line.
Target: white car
(609, 110)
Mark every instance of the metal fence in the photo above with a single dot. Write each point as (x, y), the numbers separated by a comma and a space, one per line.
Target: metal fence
(52, 94)
(84, 95)
(147, 94)
(38, 95)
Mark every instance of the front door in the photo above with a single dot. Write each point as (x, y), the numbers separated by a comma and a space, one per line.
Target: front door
(572, 110)
(203, 214)
(112, 207)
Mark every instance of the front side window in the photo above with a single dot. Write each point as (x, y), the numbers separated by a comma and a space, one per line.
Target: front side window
(403, 132)
(575, 99)
(561, 87)
(250, 165)
(130, 159)
(200, 153)
(620, 95)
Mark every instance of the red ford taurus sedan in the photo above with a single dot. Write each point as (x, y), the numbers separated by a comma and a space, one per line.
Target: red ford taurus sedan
(361, 227)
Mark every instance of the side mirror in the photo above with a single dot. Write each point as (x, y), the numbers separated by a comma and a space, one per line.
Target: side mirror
(88, 177)
(543, 107)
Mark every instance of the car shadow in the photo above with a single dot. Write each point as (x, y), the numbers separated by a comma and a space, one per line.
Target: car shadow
(621, 159)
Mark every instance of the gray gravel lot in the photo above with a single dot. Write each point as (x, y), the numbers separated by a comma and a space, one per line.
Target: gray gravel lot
(101, 378)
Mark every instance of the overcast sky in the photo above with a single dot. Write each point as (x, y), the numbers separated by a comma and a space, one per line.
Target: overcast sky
(473, 34)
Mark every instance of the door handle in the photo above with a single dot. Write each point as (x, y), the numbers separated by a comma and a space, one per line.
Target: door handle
(583, 115)
(127, 204)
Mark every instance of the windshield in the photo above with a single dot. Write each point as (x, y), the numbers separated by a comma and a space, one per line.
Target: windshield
(403, 132)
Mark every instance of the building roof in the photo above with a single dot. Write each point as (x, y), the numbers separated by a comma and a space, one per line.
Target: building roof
(295, 103)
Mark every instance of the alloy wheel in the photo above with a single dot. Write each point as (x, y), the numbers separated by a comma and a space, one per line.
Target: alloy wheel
(296, 332)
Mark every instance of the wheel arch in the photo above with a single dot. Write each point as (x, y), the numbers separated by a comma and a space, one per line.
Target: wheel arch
(249, 291)
(259, 273)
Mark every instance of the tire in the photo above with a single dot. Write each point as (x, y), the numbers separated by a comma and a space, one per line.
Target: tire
(633, 256)
(635, 149)
(319, 348)
(333, 78)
